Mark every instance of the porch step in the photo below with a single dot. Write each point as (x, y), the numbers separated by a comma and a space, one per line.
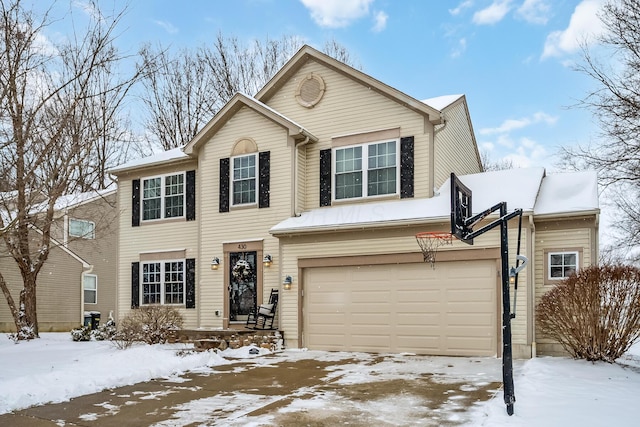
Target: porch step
(229, 338)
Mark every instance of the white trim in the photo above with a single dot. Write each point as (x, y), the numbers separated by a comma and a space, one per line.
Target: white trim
(162, 281)
(549, 254)
(255, 179)
(84, 276)
(163, 196)
(87, 236)
(365, 169)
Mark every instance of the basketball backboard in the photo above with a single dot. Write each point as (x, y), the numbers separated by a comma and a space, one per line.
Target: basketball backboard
(460, 209)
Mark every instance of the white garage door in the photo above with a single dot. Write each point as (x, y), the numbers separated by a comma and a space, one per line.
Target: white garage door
(450, 311)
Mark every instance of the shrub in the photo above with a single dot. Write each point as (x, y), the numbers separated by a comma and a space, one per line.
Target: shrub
(594, 314)
(83, 333)
(150, 324)
(105, 332)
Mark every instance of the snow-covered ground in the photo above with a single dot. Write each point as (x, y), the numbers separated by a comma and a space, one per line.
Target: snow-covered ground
(549, 391)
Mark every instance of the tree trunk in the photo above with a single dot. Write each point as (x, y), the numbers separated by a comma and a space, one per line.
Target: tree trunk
(29, 318)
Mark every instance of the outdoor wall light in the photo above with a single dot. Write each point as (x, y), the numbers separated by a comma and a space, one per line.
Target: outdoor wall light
(512, 276)
(287, 282)
(215, 263)
(267, 260)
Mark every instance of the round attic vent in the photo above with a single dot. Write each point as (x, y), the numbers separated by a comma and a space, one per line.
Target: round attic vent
(310, 90)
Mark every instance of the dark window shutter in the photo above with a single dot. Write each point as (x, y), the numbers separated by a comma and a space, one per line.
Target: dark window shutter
(406, 167)
(135, 203)
(325, 177)
(264, 179)
(135, 284)
(190, 288)
(224, 185)
(191, 195)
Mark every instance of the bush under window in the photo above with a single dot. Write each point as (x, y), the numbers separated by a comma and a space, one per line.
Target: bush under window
(594, 314)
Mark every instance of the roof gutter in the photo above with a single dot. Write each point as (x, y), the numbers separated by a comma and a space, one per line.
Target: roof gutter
(574, 214)
(362, 226)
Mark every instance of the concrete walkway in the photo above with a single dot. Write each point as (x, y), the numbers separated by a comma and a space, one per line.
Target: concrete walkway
(286, 393)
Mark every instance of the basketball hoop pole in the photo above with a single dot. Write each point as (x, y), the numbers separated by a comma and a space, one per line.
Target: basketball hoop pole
(507, 350)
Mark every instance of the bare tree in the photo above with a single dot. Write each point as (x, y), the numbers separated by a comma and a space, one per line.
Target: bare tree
(615, 104)
(183, 91)
(489, 165)
(49, 96)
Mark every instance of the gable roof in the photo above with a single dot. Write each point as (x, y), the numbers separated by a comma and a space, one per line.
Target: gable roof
(442, 102)
(526, 189)
(307, 53)
(238, 101)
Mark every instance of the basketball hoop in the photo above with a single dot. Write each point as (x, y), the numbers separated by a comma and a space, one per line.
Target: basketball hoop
(430, 241)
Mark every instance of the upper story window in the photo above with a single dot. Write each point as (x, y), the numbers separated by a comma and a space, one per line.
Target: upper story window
(82, 228)
(163, 282)
(244, 180)
(562, 264)
(366, 170)
(163, 197)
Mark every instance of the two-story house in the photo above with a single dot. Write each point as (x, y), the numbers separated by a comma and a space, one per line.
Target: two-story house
(78, 279)
(316, 186)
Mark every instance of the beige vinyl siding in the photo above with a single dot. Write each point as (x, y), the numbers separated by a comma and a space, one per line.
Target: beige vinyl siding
(558, 236)
(59, 292)
(301, 180)
(242, 223)
(99, 252)
(348, 108)
(154, 236)
(454, 145)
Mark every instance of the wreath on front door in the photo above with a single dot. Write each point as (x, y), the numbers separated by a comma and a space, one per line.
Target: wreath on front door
(242, 270)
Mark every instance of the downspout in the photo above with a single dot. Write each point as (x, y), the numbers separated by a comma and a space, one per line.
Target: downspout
(532, 289)
(86, 269)
(432, 155)
(295, 184)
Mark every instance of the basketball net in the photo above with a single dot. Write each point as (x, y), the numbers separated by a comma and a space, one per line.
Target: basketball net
(429, 242)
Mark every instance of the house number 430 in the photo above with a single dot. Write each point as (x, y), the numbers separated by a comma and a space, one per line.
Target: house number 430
(242, 246)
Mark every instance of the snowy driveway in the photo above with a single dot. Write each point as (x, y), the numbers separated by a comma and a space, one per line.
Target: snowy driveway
(292, 388)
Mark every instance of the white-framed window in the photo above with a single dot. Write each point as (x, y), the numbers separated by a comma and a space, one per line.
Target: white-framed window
(163, 282)
(244, 180)
(163, 197)
(366, 170)
(82, 228)
(561, 264)
(90, 288)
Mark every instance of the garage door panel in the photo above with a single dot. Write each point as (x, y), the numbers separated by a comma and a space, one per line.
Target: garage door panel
(380, 308)
(470, 320)
(417, 294)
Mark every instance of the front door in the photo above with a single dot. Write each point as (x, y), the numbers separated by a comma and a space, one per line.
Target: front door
(243, 279)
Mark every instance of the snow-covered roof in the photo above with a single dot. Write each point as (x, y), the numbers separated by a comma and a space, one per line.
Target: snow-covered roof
(68, 201)
(442, 102)
(153, 160)
(519, 188)
(568, 192)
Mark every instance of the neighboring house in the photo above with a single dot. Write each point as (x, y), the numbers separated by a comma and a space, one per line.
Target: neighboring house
(329, 174)
(79, 277)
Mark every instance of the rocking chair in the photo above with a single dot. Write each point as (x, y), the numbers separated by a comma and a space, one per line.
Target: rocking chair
(261, 317)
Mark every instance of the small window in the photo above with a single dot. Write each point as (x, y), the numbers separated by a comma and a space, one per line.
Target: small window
(90, 286)
(562, 264)
(163, 282)
(163, 197)
(374, 175)
(81, 228)
(244, 180)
